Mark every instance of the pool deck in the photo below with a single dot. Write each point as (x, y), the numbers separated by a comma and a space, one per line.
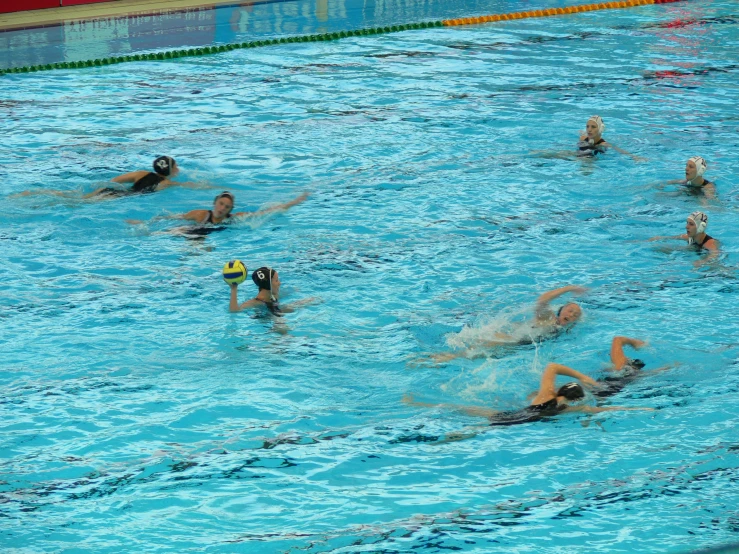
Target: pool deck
(120, 8)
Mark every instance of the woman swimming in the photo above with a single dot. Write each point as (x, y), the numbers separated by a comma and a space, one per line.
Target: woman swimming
(695, 234)
(694, 182)
(214, 219)
(592, 142)
(547, 402)
(144, 182)
(268, 282)
(546, 324)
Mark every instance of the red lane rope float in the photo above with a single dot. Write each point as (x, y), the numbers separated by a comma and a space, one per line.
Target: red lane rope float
(551, 11)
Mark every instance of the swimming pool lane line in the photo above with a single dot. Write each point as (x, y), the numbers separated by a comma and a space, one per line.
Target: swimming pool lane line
(173, 54)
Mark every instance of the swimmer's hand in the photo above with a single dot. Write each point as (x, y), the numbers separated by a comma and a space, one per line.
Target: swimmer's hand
(442, 357)
(639, 159)
(134, 221)
(575, 289)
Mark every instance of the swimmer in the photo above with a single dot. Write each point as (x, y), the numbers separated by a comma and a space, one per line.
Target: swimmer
(694, 181)
(546, 325)
(625, 369)
(695, 234)
(144, 182)
(548, 401)
(221, 214)
(591, 144)
(268, 282)
(592, 141)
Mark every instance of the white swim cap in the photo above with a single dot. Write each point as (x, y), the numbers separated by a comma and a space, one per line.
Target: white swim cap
(599, 123)
(701, 221)
(700, 165)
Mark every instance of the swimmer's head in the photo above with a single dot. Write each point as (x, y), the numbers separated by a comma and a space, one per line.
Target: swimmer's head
(636, 363)
(595, 127)
(266, 278)
(694, 168)
(165, 166)
(568, 314)
(695, 225)
(571, 391)
(223, 204)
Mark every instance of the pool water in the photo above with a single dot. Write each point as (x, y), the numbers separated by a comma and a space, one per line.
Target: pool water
(140, 415)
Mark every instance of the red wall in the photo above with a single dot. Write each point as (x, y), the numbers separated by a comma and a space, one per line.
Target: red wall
(23, 5)
(77, 2)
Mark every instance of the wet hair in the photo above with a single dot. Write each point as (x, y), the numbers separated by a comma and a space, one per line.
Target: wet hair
(571, 391)
(563, 307)
(163, 165)
(225, 194)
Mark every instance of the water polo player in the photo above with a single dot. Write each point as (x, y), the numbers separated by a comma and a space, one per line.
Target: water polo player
(548, 401)
(214, 219)
(268, 282)
(694, 181)
(592, 142)
(144, 182)
(546, 324)
(695, 234)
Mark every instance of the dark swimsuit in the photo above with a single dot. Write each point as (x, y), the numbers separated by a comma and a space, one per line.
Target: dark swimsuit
(147, 184)
(705, 240)
(201, 231)
(697, 190)
(588, 148)
(535, 412)
(614, 384)
(273, 306)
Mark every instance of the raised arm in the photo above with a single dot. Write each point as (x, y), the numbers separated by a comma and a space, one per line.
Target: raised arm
(542, 304)
(618, 358)
(547, 387)
(278, 208)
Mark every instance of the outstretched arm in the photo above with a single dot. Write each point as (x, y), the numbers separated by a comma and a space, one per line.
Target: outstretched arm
(626, 153)
(598, 409)
(618, 358)
(289, 308)
(278, 208)
(194, 215)
(469, 410)
(673, 237)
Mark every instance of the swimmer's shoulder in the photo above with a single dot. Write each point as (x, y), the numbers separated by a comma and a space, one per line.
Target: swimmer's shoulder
(131, 177)
(199, 216)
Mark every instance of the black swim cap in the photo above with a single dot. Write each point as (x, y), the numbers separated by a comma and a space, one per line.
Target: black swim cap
(636, 363)
(571, 391)
(163, 165)
(262, 278)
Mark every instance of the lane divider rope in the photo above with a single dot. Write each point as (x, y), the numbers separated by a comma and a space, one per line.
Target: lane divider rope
(173, 54)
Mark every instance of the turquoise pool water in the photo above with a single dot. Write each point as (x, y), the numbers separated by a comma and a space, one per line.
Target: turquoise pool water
(139, 415)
